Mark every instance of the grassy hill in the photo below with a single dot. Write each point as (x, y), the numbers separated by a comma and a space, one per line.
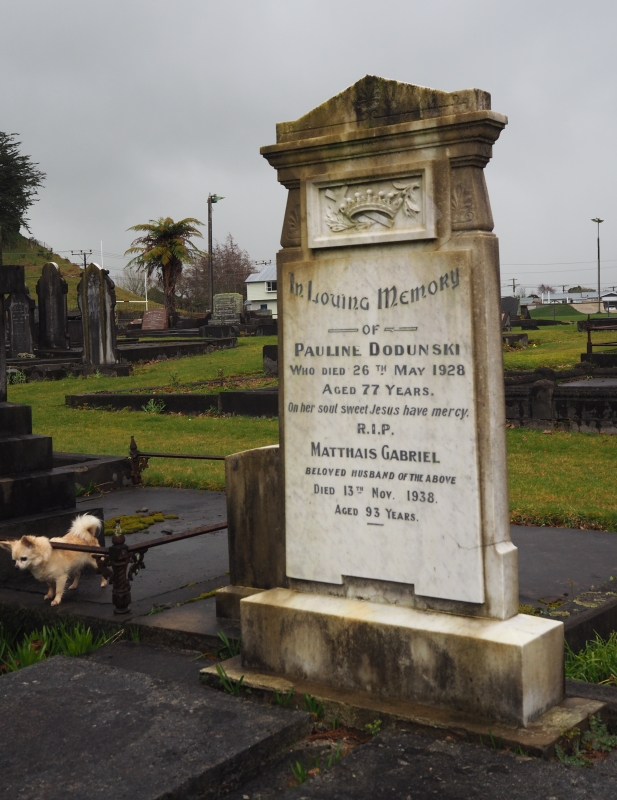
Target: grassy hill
(30, 255)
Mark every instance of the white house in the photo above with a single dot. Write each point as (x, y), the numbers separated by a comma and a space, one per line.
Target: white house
(261, 290)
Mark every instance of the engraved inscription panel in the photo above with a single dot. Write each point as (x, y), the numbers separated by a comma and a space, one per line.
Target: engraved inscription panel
(381, 468)
(368, 211)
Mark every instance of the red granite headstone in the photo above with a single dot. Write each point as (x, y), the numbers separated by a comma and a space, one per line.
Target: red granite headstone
(155, 320)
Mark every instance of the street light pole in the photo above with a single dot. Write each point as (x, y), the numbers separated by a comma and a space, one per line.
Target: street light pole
(598, 220)
(212, 198)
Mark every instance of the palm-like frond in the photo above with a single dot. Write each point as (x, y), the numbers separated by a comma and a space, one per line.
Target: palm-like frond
(166, 246)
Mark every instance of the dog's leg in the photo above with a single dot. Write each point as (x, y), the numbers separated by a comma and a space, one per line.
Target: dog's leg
(60, 584)
(75, 583)
(50, 591)
(104, 580)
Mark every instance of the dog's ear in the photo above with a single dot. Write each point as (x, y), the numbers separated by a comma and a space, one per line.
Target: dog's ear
(27, 541)
(8, 545)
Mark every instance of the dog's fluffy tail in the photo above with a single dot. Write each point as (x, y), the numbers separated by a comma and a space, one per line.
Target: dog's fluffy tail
(86, 527)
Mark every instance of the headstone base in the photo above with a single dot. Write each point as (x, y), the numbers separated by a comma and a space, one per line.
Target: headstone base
(505, 670)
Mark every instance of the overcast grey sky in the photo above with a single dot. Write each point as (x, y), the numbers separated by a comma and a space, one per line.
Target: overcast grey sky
(137, 109)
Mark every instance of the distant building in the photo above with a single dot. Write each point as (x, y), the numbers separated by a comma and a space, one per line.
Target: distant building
(609, 299)
(261, 290)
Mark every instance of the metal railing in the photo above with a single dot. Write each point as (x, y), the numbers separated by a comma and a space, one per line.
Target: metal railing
(139, 459)
(597, 326)
(120, 562)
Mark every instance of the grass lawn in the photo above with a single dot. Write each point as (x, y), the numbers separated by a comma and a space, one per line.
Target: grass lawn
(558, 347)
(558, 479)
(109, 432)
(563, 479)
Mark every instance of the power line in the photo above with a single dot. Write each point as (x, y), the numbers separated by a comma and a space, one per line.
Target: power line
(84, 253)
(553, 263)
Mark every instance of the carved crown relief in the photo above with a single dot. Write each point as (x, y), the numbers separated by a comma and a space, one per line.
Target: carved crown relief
(390, 209)
(368, 210)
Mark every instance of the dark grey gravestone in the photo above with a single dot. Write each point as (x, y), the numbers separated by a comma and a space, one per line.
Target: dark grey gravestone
(52, 292)
(72, 728)
(21, 321)
(509, 305)
(12, 279)
(97, 301)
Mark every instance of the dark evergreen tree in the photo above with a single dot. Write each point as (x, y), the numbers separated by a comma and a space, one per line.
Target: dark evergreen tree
(19, 181)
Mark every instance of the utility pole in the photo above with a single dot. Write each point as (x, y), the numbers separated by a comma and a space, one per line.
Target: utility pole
(84, 253)
(212, 198)
(513, 285)
(598, 220)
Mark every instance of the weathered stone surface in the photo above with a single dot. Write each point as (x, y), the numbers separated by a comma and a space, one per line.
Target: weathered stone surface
(407, 654)
(392, 426)
(270, 359)
(24, 453)
(252, 403)
(12, 278)
(31, 492)
(256, 542)
(99, 731)
(21, 321)
(15, 419)
(397, 168)
(228, 600)
(228, 307)
(97, 300)
(52, 290)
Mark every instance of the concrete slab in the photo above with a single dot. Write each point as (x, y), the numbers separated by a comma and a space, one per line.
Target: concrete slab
(165, 663)
(73, 728)
(555, 562)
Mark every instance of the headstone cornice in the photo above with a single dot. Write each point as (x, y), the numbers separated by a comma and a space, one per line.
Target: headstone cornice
(477, 130)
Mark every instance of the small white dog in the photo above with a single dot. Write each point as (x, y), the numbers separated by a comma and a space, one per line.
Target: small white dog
(55, 567)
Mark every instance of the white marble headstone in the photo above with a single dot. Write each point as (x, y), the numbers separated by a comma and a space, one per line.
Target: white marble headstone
(381, 468)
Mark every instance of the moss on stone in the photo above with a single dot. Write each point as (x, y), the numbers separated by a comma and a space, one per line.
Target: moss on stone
(133, 523)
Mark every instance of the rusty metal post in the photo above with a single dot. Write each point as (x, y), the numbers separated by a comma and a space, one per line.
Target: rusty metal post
(138, 462)
(119, 561)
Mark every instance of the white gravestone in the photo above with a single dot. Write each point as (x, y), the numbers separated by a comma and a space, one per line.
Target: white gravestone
(401, 579)
(380, 417)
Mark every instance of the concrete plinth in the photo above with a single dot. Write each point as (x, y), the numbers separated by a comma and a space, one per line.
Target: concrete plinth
(507, 670)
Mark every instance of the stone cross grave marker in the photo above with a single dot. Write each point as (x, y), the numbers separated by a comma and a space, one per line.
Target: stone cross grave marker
(52, 291)
(21, 317)
(392, 414)
(97, 301)
(155, 320)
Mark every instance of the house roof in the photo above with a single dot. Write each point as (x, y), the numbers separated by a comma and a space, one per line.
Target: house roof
(268, 273)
